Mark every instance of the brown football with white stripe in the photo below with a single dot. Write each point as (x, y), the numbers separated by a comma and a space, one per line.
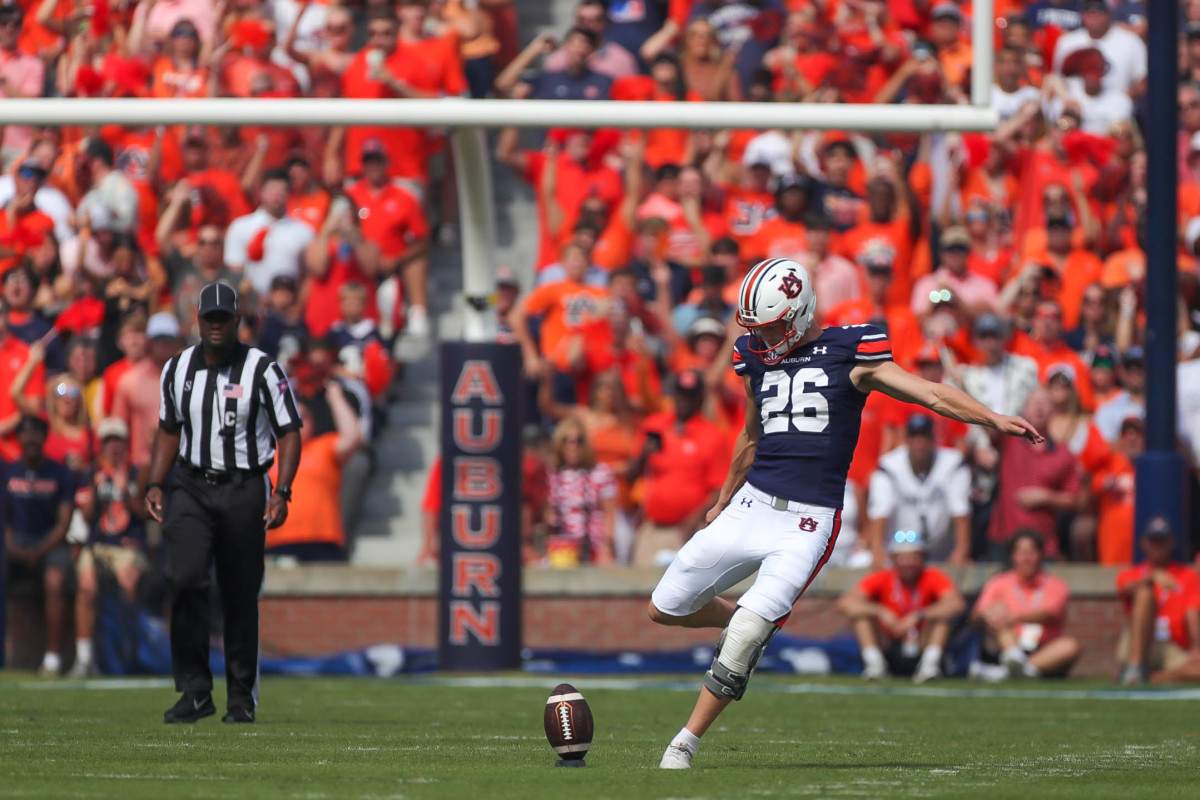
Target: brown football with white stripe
(568, 722)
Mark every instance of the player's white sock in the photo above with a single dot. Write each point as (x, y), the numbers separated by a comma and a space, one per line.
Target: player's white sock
(687, 740)
(83, 651)
(872, 657)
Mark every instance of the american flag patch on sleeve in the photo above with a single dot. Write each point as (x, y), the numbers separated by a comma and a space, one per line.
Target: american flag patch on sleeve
(233, 390)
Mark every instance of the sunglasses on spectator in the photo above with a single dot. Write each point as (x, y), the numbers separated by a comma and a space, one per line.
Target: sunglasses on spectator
(209, 242)
(977, 216)
(66, 390)
(335, 29)
(31, 173)
(184, 33)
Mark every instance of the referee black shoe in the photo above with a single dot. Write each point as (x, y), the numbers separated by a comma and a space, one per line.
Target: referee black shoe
(192, 706)
(239, 715)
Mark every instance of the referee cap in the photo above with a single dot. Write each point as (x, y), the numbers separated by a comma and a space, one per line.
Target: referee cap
(218, 297)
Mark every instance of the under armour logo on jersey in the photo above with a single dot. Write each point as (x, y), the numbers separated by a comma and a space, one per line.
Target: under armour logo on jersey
(791, 286)
(747, 502)
(820, 351)
(808, 524)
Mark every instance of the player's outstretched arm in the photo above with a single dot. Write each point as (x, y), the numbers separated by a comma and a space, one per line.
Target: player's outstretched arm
(743, 455)
(894, 381)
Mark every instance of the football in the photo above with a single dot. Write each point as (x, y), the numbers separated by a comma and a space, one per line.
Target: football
(568, 724)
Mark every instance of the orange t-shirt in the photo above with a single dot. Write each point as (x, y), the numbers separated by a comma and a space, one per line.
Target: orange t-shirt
(1078, 270)
(614, 246)
(692, 464)
(168, 81)
(885, 588)
(1024, 345)
(314, 515)
(1173, 604)
(778, 238)
(976, 186)
(29, 231)
(309, 208)
(565, 307)
(745, 212)
(13, 355)
(884, 241)
(226, 185)
(1114, 491)
(402, 145)
(391, 217)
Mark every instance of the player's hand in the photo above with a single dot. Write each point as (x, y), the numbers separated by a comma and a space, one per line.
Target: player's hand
(276, 513)
(715, 512)
(1017, 426)
(154, 502)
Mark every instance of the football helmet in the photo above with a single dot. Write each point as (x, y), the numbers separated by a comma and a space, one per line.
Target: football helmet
(776, 290)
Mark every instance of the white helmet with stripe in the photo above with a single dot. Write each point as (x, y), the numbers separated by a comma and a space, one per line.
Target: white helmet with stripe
(777, 290)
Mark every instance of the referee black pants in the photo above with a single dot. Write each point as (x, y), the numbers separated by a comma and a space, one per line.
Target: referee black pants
(223, 523)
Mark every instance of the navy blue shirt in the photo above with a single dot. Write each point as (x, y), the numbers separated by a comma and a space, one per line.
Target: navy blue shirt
(33, 328)
(561, 86)
(632, 22)
(32, 498)
(1066, 16)
(114, 518)
(275, 329)
(811, 412)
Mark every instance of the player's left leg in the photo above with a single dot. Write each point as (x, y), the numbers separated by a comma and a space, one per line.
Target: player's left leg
(791, 559)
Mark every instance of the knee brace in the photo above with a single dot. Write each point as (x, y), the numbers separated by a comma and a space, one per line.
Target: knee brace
(738, 650)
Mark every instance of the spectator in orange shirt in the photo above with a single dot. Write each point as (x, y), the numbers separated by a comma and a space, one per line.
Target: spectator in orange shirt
(1113, 488)
(1046, 347)
(1161, 638)
(784, 235)
(749, 203)
(1077, 267)
(13, 355)
(307, 201)
(340, 255)
(565, 308)
(683, 460)
(987, 257)
(22, 226)
(1022, 612)
(888, 232)
(393, 218)
(902, 614)
(178, 71)
(313, 530)
(953, 52)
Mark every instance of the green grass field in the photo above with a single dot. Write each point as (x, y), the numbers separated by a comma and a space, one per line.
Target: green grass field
(443, 738)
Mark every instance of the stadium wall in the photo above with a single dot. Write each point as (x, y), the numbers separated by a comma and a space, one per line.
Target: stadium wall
(325, 609)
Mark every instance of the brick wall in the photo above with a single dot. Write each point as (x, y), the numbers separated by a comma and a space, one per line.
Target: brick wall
(301, 626)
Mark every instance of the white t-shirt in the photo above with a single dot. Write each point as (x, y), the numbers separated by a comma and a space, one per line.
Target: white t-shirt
(48, 200)
(1112, 413)
(929, 504)
(1098, 112)
(1124, 51)
(283, 248)
(1009, 103)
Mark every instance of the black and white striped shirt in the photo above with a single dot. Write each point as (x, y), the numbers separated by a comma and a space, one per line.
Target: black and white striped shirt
(228, 416)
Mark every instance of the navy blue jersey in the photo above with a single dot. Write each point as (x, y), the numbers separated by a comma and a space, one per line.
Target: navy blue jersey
(811, 412)
(32, 498)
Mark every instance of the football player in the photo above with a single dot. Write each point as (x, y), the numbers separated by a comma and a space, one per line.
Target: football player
(779, 510)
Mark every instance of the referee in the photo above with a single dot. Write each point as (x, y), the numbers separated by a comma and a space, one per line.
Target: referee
(225, 409)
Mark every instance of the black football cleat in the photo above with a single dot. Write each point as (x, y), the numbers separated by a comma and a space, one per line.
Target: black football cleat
(239, 715)
(192, 706)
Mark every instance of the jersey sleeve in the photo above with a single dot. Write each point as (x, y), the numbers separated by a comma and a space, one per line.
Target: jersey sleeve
(280, 403)
(169, 418)
(740, 361)
(872, 345)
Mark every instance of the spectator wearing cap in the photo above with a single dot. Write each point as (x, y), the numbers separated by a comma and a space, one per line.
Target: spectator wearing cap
(681, 461)
(951, 283)
(1161, 598)
(1130, 401)
(1113, 488)
(109, 189)
(922, 487)
(139, 392)
(1082, 86)
(37, 501)
(14, 356)
(283, 330)
(313, 530)
(1037, 483)
(902, 614)
(178, 71)
(115, 513)
(609, 58)
(21, 75)
(393, 218)
(953, 49)
(1044, 345)
(267, 242)
(574, 81)
(889, 230)
(1022, 612)
(784, 235)
(1123, 50)
(1104, 373)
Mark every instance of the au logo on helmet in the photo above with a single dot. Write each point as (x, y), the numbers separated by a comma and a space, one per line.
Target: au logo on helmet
(791, 286)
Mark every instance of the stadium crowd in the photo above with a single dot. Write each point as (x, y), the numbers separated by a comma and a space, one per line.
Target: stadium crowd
(1008, 263)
